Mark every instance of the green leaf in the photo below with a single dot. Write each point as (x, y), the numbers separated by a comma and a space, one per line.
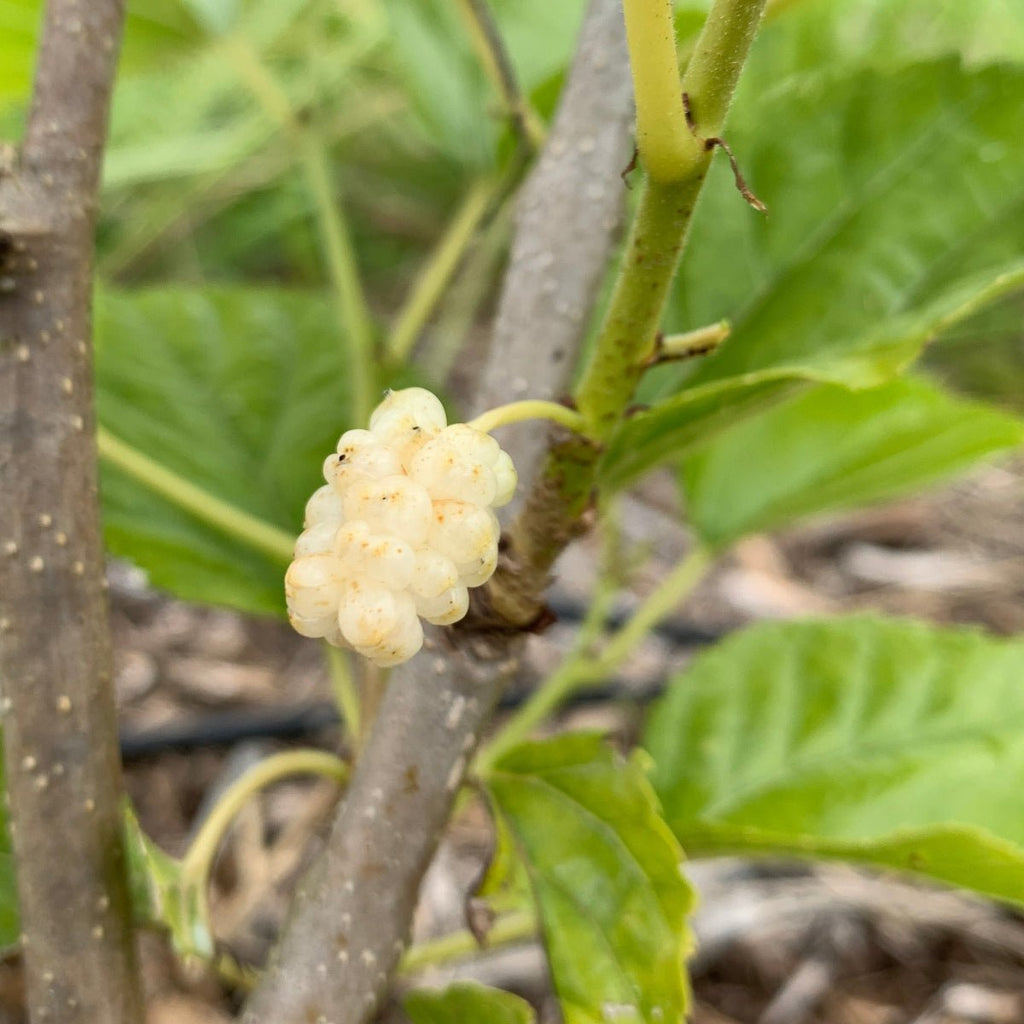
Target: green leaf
(887, 192)
(19, 28)
(830, 448)
(241, 391)
(983, 357)
(884, 32)
(888, 742)
(540, 36)
(894, 203)
(607, 881)
(443, 80)
(687, 421)
(467, 1003)
(216, 16)
(159, 896)
(692, 418)
(505, 885)
(155, 30)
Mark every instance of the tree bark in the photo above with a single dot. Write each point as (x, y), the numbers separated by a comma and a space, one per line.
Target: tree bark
(60, 732)
(351, 919)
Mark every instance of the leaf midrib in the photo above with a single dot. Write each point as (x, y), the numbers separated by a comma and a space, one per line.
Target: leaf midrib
(549, 879)
(603, 826)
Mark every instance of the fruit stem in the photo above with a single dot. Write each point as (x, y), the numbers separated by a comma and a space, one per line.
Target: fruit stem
(346, 693)
(528, 409)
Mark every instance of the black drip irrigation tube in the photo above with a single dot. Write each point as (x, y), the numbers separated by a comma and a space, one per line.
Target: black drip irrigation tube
(226, 728)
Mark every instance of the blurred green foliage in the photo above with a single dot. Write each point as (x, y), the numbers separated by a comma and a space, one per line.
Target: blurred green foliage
(225, 384)
(882, 134)
(201, 178)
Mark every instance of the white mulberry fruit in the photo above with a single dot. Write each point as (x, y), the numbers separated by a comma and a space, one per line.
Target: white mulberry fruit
(401, 529)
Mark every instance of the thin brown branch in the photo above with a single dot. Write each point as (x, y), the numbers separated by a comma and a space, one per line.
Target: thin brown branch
(498, 64)
(60, 735)
(568, 217)
(351, 916)
(353, 913)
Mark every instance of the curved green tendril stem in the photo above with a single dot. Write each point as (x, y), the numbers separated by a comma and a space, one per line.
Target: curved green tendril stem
(198, 861)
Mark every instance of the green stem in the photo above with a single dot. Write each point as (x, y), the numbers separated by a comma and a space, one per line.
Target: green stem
(627, 342)
(346, 694)
(514, 927)
(628, 338)
(667, 148)
(354, 320)
(609, 581)
(227, 518)
(433, 281)
(263, 85)
(198, 861)
(353, 312)
(374, 681)
(469, 290)
(718, 58)
(527, 409)
(670, 592)
(557, 508)
(580, 669)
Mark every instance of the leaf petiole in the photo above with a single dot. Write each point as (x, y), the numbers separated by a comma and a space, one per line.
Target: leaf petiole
(198, 861)
(581, 667)
(184, 494)
(514, 927)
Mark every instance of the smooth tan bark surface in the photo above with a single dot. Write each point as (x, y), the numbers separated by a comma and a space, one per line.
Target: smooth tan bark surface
(60, 730)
